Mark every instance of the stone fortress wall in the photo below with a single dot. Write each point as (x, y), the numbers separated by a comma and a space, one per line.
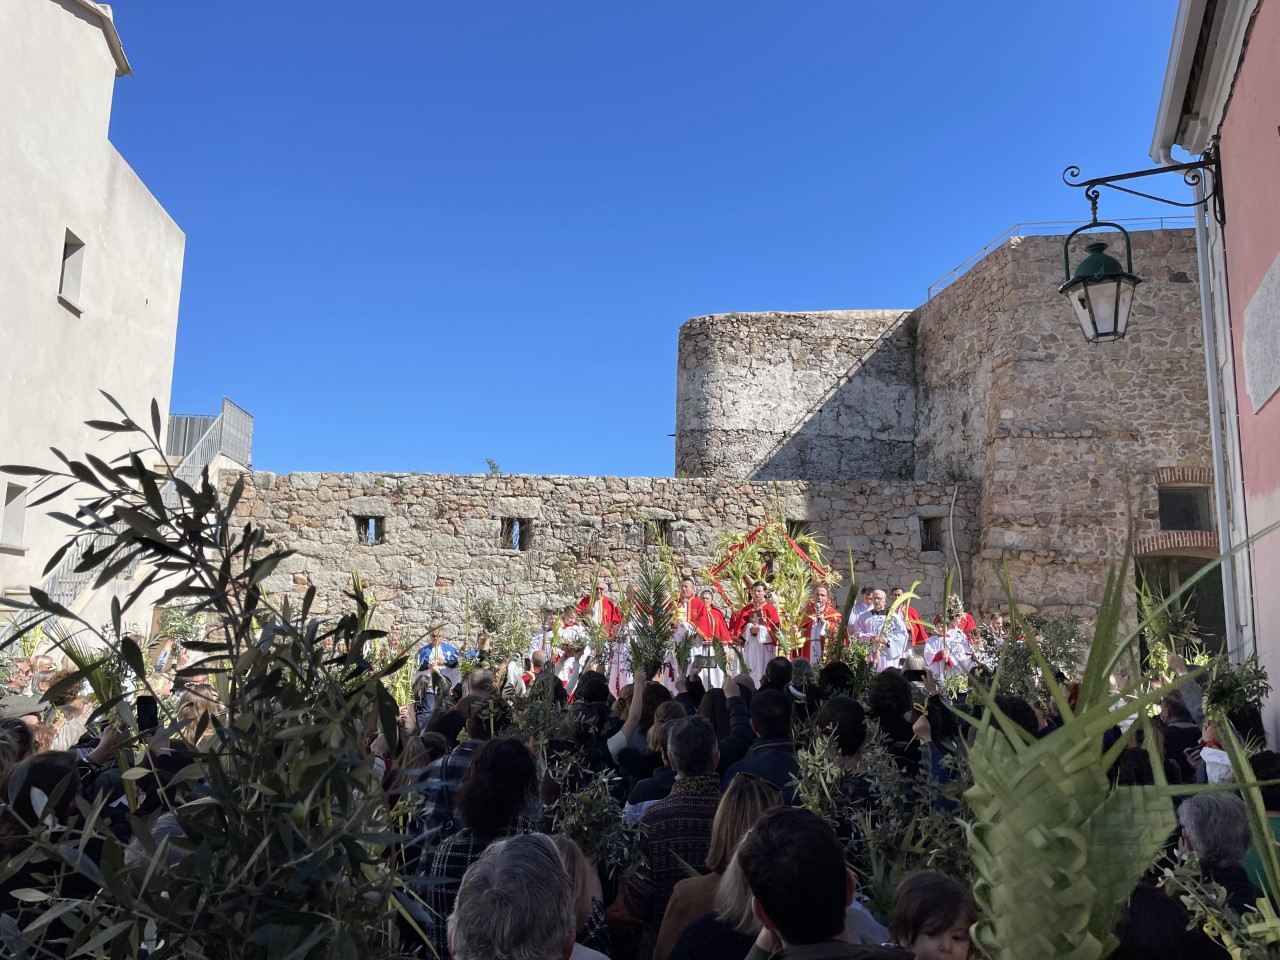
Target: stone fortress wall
(809, 396)
(444, 535)
(866, 425)
(1067, 440)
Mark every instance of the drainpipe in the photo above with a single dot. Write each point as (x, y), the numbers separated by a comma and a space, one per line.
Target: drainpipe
(1220, 474)
(951, 525)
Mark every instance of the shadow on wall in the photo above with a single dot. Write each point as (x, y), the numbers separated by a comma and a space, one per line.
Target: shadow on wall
(863, 429)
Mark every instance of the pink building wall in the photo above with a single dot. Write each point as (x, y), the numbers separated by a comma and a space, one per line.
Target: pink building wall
(1250, 154)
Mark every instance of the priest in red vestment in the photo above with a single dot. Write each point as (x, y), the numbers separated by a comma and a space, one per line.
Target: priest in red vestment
(719, 625)
(692, 610)
(820, 624)
(601, 609)
(756, 626)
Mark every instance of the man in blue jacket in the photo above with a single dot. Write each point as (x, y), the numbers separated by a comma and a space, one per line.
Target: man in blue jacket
(773, 756)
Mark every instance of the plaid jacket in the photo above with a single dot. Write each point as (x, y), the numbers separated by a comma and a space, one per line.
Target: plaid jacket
(442, 780)
(677, 827)
(449, 863)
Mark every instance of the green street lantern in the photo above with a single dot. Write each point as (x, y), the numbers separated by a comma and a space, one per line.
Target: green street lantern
(1101, 290)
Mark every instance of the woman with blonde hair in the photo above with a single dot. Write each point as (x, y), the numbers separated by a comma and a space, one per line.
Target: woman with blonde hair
(747, 799)
(591, 939)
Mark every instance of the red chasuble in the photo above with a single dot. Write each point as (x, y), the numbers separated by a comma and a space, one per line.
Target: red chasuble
(768, 612)
(610, 615)
(719, 627)
(831, 615)
(694, 611)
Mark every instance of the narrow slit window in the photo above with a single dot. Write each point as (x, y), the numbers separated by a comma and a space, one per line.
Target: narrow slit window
(371, 531)
(14, 516)
(72, 271)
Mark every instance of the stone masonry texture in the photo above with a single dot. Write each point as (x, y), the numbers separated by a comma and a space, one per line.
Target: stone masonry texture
(866, 424)
(443, 533)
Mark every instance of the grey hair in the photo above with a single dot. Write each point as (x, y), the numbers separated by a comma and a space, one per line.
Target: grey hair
(692, 745)
(1217, 827)
(733, 898)
(515, 903)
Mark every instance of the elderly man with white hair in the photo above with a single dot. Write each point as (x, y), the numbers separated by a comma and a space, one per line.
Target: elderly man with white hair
(1215, 827)
(515, 903)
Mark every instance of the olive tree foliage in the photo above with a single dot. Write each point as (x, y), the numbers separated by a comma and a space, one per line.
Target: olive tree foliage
(286, 843)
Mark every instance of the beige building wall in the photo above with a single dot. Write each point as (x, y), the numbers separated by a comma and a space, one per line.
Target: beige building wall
(58, 172)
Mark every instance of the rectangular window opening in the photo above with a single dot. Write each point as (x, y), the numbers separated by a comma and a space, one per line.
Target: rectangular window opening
(657, 532)
(371, 531)
(1185, 508)
(767, 563)
(72, 271)
(13, 522)
(799, 528)
(517, 533)
(931, 538)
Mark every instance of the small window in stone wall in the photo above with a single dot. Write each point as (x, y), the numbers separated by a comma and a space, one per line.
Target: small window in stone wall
(517, 533)
(657, 532)
(931, 534)
(371, 531)
(768, 561)
(1185, 508)
(799, 528)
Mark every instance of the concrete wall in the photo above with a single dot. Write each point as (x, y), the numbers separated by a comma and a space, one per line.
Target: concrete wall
(1066, 437)
(59, 172)
(1250, 154)
(796, 396)
(443, 532)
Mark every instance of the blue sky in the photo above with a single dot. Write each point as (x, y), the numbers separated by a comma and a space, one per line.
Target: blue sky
(424, 234)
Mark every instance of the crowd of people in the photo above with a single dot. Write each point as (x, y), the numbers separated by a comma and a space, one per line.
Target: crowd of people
(746, 638)
(724, 860)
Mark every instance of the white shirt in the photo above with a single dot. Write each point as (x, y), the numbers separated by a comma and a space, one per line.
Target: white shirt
(892, 629)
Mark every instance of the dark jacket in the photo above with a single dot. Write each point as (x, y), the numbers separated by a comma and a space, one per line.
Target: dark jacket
(735, 746)
(772, 759)
(654, 788)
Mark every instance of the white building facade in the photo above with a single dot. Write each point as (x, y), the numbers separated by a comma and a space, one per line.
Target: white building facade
(90, 263)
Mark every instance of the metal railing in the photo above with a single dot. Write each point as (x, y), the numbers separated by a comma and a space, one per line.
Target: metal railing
(1048, 228)
(230, 434)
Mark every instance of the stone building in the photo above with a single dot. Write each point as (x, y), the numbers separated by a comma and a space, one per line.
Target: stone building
(977, 429)
(90, 264)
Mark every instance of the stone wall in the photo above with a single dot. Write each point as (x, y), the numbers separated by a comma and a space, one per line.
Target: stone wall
(821, 397)
(1070, 435)
(443, 533)
(958, 336)
(1051, 446)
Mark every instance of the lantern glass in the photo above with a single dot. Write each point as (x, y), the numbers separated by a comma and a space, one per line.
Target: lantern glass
(1101, 292)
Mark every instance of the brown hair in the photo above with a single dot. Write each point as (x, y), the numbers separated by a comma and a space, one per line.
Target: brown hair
(930, 903)
(748, 799)
(655, 694)
(715, 707)
(662, 716)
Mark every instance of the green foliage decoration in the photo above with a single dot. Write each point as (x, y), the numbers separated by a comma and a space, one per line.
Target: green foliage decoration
(286, 846)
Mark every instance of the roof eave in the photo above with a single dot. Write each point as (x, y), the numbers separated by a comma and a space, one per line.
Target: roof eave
(103, 13)
(1182, 52)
